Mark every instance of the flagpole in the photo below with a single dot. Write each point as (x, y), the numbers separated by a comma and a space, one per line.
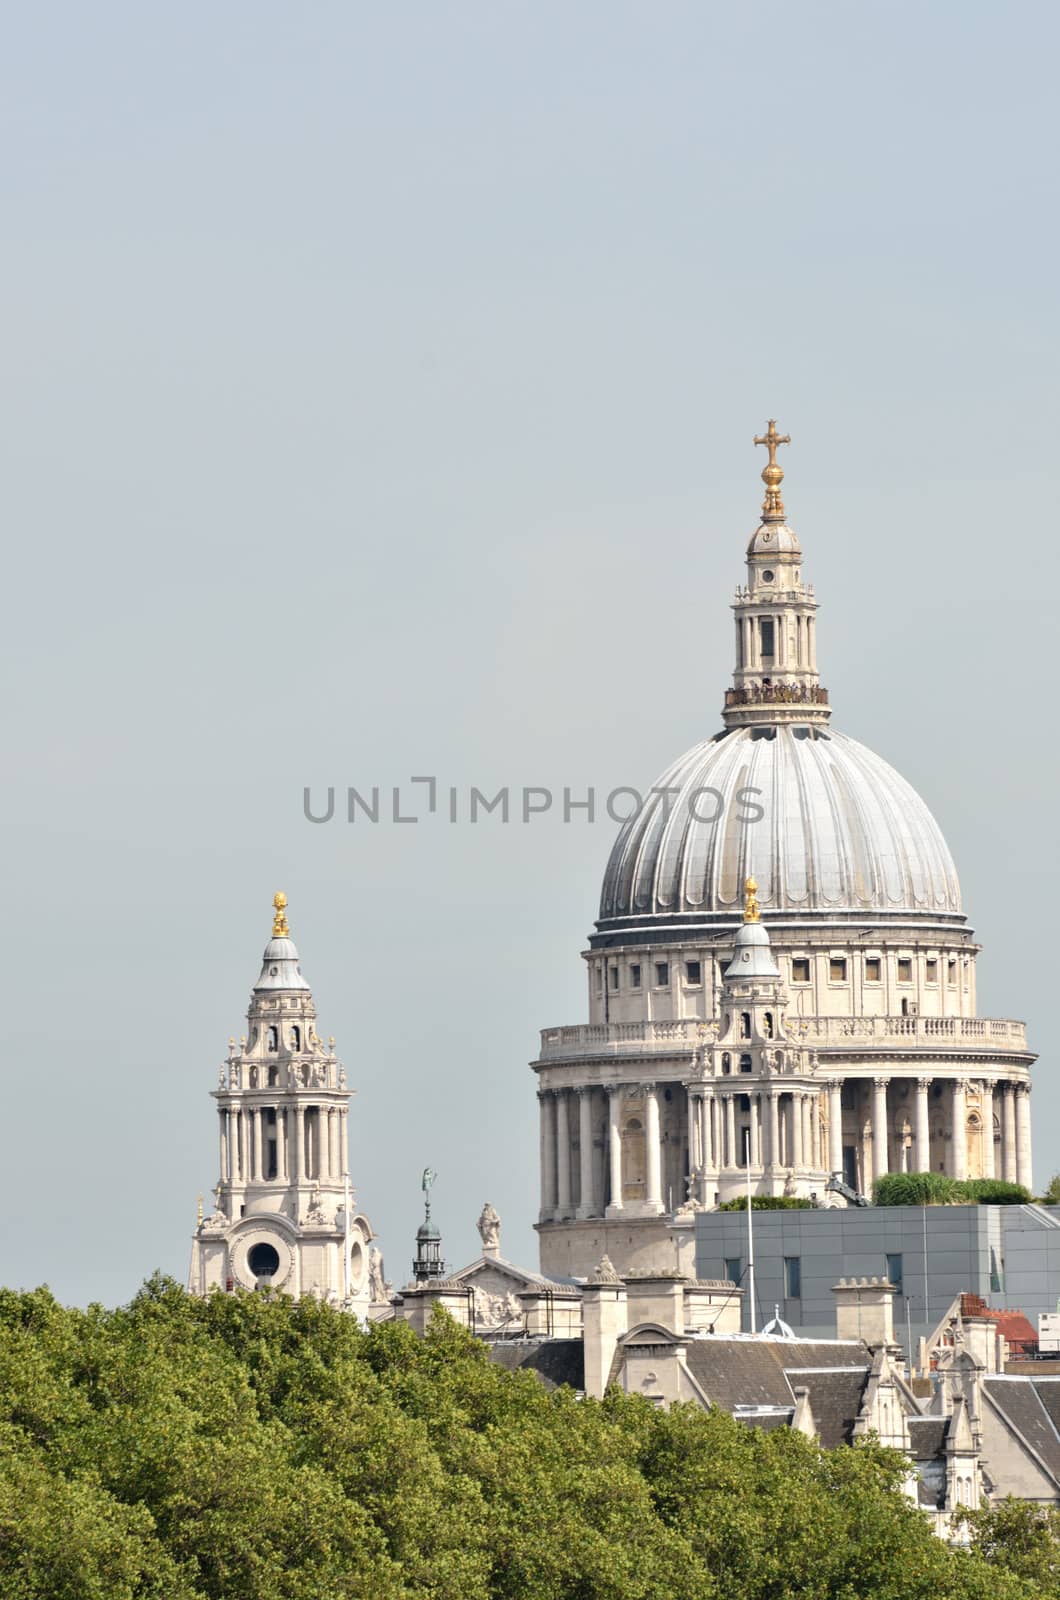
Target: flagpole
(750, 1243)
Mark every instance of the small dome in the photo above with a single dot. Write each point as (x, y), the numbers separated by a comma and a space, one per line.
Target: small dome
(751, 955)
(774, 538)
(279, 967)
(825, 826)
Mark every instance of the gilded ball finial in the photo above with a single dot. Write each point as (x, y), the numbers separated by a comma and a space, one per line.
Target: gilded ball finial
(280, 930)
(750, 904)
(772, 473)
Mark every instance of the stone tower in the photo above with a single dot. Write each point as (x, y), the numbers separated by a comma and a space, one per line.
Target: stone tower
(284, 1214)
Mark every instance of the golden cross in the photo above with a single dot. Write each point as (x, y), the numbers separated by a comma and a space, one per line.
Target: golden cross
(772, 439)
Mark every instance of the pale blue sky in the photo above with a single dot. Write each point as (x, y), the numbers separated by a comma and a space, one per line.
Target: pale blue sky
(378, 391)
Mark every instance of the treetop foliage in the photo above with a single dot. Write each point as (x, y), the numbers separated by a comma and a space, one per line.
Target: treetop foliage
(247, 1447)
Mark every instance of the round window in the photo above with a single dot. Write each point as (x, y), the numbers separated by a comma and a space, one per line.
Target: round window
(767, 577)
(263, 1260)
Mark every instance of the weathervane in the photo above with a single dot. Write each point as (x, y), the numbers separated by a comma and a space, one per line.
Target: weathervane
(772, 474)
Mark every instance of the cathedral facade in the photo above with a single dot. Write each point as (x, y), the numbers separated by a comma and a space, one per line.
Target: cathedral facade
(284, 1215)
(781, 980)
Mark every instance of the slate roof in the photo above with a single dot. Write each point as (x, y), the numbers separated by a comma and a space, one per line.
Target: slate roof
(553, 1361)
(835, 1400)
(751, 1372)
(927, 1437)
(1029, 1406)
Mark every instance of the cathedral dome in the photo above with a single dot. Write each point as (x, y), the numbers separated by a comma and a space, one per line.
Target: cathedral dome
(828, 829)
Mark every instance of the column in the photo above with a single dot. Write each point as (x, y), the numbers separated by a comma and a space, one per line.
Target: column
(706, 1135)
(614, 1142)
(795, 1156)
(244, 1145)
(773, 1130)
(879, 1127)
(563, 1152)
(807, 1131)
(588, 1206)
(1023, 1134)
(298, 1165)
(922, 1131)
(733, 1155)
(695, 1129)
(222, 1123)
(835, 1126)
(548, 1154)
(653, 1187)
(959, 1130)
(754, 1133)
(344, 1141)
(1008, 1133)
(281, 1143)
(987, 1106)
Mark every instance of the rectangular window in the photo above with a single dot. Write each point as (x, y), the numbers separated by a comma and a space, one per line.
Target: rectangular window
(931, 971)
(873, 969)
(905, 969)
(693, 972)
(662, 974)
(634, 975)
(599, 980)
(614, 977)
(793, 1277)
(894, 1271)
(767, 636)
(732, 1269)
(800, 969)
(837, 969)
(951, 971)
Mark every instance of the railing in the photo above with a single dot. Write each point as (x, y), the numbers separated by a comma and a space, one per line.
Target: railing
(685, 1035)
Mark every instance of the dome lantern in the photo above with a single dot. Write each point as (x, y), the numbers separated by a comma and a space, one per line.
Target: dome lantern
(775, 677)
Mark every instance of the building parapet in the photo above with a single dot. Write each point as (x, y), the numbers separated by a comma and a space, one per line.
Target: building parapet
(690, 1033)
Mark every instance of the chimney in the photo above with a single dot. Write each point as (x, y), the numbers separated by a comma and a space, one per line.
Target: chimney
(712, 1306)
(418, 1301)
(864, 1309)
(657, 1297)
(603, 1323)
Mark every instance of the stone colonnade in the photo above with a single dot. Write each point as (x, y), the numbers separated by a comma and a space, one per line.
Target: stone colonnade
(1008, 1099)
(310, 1143)
(778, 1130)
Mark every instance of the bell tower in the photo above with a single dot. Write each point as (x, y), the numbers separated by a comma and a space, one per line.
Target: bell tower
(284, 1214)
(775, 678)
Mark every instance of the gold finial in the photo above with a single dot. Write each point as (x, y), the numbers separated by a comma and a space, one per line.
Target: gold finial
(280, 930)
(200, 1211)
(750, 904)
(772, 474)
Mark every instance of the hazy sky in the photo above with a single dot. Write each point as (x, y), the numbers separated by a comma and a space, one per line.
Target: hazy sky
(378, 394)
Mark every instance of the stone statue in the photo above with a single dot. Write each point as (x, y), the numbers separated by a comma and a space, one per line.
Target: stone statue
(378, 1288)
(489, 1227)
(315, 1214)
(218, 1219)
(790, 1189)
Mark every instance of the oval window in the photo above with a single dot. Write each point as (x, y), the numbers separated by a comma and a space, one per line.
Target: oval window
(263, 1260)
(767, 577)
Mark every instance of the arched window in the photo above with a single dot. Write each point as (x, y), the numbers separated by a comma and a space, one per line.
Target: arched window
(745, 1063)
(745, 1024)
(296, 1037)
(769, 1024)
(726, 1062)
(273, 1040)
